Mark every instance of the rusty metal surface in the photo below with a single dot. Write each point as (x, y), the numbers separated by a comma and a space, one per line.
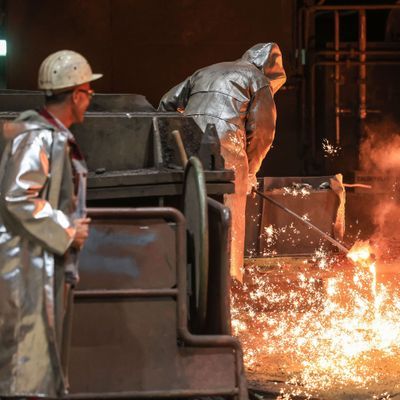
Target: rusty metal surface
(133, 342)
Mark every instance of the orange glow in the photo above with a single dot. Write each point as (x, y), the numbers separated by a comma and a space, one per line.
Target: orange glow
(326, 328)
(359, 252)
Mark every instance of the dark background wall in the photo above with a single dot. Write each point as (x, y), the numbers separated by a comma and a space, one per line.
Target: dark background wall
(141, 46)
(148, 46)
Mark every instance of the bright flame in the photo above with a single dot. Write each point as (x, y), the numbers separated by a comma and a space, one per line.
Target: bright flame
(359, 252)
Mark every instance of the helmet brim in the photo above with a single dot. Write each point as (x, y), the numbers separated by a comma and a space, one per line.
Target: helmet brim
(95, 77)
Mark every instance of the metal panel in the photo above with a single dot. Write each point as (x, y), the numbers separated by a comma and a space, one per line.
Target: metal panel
(289, 236)
(131, 344)
(116, 142)
(124, 255)
(134, 342)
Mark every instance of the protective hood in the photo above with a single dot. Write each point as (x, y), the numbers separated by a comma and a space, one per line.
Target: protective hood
(267, 57)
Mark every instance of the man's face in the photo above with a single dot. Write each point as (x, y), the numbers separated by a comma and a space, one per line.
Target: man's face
(80, 98)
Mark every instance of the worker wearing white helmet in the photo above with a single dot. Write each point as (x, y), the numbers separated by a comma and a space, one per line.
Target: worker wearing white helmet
(43, 226)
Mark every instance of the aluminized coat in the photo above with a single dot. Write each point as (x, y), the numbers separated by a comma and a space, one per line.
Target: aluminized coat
(238, 97)
(36, 231)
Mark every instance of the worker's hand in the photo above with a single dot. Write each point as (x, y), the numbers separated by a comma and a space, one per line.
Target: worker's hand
(251, 183)
(82, 232)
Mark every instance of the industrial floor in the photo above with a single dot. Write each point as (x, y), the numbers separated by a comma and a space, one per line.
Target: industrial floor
(318, 327)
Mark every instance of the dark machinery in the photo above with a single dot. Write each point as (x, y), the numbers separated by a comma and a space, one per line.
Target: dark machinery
(150, 317)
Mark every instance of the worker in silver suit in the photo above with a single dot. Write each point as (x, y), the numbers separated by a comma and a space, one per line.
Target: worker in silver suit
(238, 97)
(42, 228)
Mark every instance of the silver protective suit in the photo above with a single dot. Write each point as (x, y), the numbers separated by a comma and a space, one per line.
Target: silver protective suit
(238, 97)
(36, 231)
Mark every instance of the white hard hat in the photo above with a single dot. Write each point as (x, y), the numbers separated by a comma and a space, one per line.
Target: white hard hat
(64, 69)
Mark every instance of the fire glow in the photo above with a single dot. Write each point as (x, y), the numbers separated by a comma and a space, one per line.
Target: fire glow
(327, 329)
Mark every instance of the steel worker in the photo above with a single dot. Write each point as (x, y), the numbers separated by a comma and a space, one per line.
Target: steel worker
(238, 97)
(43, 225)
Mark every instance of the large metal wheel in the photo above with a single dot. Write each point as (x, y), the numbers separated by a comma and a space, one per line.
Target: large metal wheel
(195, 210)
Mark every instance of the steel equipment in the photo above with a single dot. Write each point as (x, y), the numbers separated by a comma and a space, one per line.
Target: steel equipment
(150, 316)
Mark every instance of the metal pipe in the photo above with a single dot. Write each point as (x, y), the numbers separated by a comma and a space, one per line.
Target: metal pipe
(312, 111)
(337, 77)
(180, 148)
(157, 148)
(305, 222)
(299, 43)
(306, 27)
(356, 52)
(152, 394)
(357, 62)
(362, 37)
(353, 7)
(303, 84)
(100, 293)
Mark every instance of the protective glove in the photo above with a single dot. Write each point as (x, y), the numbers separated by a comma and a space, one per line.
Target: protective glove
(251, 183)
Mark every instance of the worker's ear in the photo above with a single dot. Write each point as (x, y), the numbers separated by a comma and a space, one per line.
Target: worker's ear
(74, 96)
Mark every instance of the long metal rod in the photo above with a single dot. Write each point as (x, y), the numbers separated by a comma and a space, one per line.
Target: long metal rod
(357, 62)
(100, 293)
(153, 394)
(158, 158)
(305, 222)
(313, 111)
(353, 7)
(354, 52)
(337, 78)
(362, 37)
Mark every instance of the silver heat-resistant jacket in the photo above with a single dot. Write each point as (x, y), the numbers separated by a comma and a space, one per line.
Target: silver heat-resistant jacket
(238, 97)
(36, 231)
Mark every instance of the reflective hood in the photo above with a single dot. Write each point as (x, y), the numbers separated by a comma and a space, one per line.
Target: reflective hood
(267, 57)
